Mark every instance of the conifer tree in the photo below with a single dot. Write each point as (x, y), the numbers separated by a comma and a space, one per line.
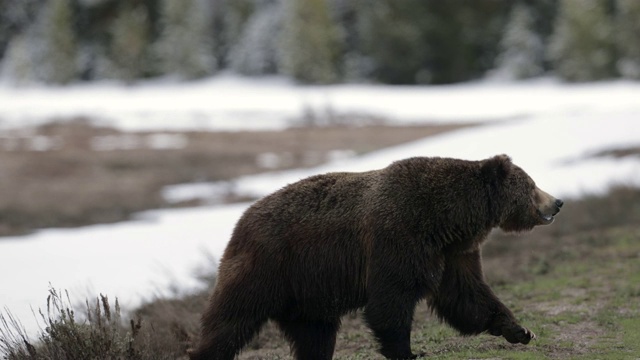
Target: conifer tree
(46, 50)
(185, 47)
(18, 65)
(522, 51)
(15, 17)
(310, 45)
(256, 51)
(60, 43)
(582, 47)
(431, 41)
(628, 38)
(393, 39)
(235, 15)
(354, 64)
(129, 44)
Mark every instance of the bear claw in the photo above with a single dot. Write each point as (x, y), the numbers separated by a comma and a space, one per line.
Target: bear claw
(519, 334)
(529, 335)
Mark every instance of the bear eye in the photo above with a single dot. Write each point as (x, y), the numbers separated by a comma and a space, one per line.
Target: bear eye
(533, 192)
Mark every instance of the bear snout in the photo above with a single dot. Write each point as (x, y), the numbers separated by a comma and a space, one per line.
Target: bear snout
(548, 206)
(556, 206)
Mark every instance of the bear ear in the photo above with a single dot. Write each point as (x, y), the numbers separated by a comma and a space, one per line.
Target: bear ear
(496, 168)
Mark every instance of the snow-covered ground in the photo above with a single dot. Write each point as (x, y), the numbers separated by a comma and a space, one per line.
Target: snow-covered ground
(557, 150)
(549, 129)
(233, 103)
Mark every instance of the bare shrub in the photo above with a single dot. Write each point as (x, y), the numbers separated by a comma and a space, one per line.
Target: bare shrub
(99, 334)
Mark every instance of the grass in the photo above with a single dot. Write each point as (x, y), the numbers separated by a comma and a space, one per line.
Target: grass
(575, 283)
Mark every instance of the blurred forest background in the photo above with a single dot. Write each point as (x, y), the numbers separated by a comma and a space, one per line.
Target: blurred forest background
(319, 41)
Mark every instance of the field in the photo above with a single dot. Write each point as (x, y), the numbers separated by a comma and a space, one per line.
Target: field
(575, 283)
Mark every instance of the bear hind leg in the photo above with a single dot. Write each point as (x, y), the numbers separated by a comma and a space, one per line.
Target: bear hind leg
(225, 333)
(311, 340)
(225, 341)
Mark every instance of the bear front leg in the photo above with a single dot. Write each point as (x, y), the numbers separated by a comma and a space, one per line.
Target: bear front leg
(311, 340)
(391, 326)
(466, 302)
(389, 314)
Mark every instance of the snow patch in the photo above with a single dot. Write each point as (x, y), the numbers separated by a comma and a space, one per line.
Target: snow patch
(211, 193)
(135, 141)
(236, 103)
(271, 160)
(167, 141)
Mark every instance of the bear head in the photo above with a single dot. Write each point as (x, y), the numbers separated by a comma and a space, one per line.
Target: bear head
(521, 205)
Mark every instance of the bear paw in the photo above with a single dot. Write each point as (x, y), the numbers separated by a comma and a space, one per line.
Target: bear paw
(416, 356)
(517, 334)
(410, 356)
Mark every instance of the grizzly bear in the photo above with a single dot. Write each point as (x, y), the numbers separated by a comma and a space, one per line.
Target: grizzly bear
(381, 240)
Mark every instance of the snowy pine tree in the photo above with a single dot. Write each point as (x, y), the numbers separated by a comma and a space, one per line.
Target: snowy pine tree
(628, 38)
(354, 65)
(185, 47)
(235, 15)
(522, 50)
(582, 47)
(129, 44)
(15, 17)
(61, 47)
(18, 65)
(46, 51)
(392, 40)
(256, 51)
(310, 42)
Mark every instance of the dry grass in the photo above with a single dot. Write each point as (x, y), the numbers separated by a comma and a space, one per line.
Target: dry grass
(98, 333)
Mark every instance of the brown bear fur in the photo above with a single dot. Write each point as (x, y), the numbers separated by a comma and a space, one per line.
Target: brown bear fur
(381, 240)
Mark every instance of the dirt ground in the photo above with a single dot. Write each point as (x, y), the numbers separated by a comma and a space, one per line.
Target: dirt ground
(73, 173)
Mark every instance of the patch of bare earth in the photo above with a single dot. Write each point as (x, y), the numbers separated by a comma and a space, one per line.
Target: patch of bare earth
(74, 173)
(619, 153)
